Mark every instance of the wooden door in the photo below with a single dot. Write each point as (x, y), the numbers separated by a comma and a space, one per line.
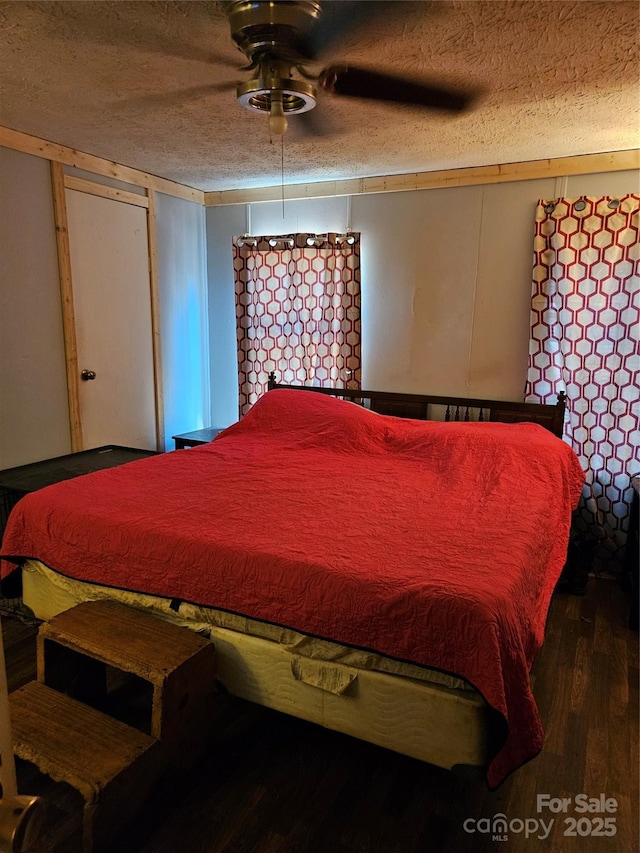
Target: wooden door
(109, 258)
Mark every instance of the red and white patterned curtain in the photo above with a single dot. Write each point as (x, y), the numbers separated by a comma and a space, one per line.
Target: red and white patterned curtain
(297, 311)
(585, 340)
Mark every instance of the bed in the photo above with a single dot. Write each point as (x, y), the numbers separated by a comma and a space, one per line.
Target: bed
(354, 563)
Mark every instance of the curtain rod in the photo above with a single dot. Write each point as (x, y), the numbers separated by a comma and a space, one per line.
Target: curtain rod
(301, 240)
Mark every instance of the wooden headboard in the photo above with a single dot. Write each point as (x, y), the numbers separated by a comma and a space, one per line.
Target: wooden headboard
(420, 406)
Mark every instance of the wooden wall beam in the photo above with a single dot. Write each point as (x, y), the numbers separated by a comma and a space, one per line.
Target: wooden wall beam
(92, 188)
(156, 332)
(66, 298)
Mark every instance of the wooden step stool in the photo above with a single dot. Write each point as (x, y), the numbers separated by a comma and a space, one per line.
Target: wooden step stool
(121, 696)
(112, 765)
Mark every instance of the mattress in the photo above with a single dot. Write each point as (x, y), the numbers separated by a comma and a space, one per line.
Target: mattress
(412, 710)
(47, 593)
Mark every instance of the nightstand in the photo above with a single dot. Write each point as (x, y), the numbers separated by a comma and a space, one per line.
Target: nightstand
(193, 439)
(16, 482)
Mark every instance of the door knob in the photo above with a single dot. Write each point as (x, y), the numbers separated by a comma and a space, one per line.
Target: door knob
(88, 374)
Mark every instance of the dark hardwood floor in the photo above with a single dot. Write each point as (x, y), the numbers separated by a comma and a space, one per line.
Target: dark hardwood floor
(274, 784)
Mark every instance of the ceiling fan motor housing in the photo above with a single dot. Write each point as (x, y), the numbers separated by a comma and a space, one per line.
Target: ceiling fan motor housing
(268, 33)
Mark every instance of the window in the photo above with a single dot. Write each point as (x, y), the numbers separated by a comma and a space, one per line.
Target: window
(297, 311)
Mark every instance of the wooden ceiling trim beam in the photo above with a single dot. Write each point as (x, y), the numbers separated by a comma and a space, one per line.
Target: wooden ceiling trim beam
(584, 164)
(613, 161)
(82, 186)
(18, 141)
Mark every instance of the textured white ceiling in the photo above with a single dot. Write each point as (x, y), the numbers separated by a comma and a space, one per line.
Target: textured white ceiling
(135, 82)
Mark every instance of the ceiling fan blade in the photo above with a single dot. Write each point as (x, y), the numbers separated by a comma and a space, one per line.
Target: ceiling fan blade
(315, 124)
(361, 83)
(176, 98)
(133, 25)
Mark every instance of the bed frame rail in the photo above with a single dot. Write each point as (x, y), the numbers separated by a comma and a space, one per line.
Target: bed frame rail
(425, 407)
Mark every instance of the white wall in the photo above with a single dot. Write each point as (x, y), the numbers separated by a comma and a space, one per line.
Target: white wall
(34, 417)
(446, 281)
(182, 285)
(222, 224)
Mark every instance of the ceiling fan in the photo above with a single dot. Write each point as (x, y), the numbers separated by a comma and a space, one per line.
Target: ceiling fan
(281, 39)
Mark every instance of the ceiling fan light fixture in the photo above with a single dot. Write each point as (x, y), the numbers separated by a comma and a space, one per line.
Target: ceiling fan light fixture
(296, 96)
(279, 97)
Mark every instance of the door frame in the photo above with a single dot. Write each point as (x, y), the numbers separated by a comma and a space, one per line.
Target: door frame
(60, 182)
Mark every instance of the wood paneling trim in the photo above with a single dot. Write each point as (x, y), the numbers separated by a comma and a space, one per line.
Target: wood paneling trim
(79, 184)
(614, 161)
(66, 299)
(584, 164)
(156, 333)
(70, 157)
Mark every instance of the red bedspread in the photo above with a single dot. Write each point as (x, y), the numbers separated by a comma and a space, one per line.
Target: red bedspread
(429, 542)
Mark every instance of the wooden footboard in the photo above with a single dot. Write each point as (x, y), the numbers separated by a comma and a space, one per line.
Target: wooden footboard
(425, 407)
